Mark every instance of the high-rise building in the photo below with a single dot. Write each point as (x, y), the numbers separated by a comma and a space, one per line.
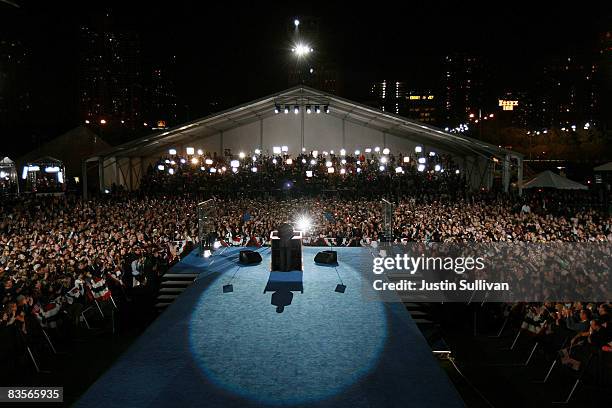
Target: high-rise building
(389, 96)
(462, 88)
(421, 105)
(160, 99)
(568, 92)
(15, 101)
(110, 76)
(605, 77)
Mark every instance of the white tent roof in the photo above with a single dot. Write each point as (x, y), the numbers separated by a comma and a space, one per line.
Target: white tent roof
(6, 160)
(604, 167)
(548, 179)
(348, 110)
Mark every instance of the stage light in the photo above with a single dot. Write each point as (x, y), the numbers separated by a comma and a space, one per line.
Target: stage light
(368, 150)
(422, 160)
(308, 110)
(208, 161)
(342, 171)
(296, 109)
(24, 174)
(200, 152)
(324, 153)
(342, 152)
(317, 109)
(171, 171)
(386, 151)
(418, 149)
(274, 161)
(190, 151)
(328, 164)
(383, 159)
(276, 109)
(289, 161)
(86, 121)
(406, 159)
(315, 153)
(276, 150)
(235, 163)
(399, 170)
(212, 170)
(330, 170)
(172, 152)
(241, 155)
(254, 169)
(286, 110)
(284, 149)
(313, 162)
(234, 170)
(308, 173)
(296, 22)
(52, 169)
(357, 152)
(194, 160)
(432, 154)
(437, 167)
(183, 161)
(377, 149)
(381, 168)
(303, 223)
(326, 109)
(257, 151)
(421, 167)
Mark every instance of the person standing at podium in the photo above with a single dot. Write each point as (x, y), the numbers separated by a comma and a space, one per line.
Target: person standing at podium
(285, 233)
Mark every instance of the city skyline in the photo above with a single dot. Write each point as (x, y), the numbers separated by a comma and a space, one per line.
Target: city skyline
(246, 53)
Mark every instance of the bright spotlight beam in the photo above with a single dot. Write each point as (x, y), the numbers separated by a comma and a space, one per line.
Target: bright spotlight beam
(303, 223)
(302, 50)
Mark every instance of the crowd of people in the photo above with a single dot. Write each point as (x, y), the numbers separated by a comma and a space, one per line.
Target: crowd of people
(59, 255)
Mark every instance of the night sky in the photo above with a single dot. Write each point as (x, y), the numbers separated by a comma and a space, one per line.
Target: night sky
(232, 53)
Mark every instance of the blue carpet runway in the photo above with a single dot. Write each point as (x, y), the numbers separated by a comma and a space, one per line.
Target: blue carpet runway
(239, 349)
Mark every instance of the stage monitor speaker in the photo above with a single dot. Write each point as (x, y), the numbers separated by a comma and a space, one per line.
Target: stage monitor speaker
(326, 257)
(249, 257)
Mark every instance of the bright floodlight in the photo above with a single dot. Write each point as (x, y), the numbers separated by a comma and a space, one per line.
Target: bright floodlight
(406, 159)
(254, 169)
(313, 162)
(172, 151)
(213, 170)
(357, 152)
(421, 167)
(342, 171)
(200, 152)
(315, 153)
(190, 150)
(342, 152)
(160, 167)
(241, 155)
(328, 164)
(235, 163)
(303, 161)
(194, 160)
(437, 167)
(257, 151)
(308, 173)
(383, 159)
(208, 161)
(276, 150)
(289, 161)
(303, 223)
(296, 22)
(381, 168)
(183, 161)
(285, 149)
(234, 170)
(171, 171)
(399, 170)
(274, 161)
(302, 50)
(432, 154)
(343, 161)
(457, 171)
(386, 150)
(422, 160)
(330, 170)
(358, 169)
(368, 150)
(418, 149)
(377, 149)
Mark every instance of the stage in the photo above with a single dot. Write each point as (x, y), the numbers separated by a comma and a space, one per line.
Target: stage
(240, 349)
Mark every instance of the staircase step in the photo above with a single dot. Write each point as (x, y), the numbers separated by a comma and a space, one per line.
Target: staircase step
(181, 283)
(167, 297)
(162, 305)
(181, 276)
(171, 290)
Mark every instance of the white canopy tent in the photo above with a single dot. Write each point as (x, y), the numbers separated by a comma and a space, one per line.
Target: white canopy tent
(548, 179)
(256, 125)
(604, 167)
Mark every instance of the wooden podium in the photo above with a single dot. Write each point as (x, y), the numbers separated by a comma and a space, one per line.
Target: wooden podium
(286, 253)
